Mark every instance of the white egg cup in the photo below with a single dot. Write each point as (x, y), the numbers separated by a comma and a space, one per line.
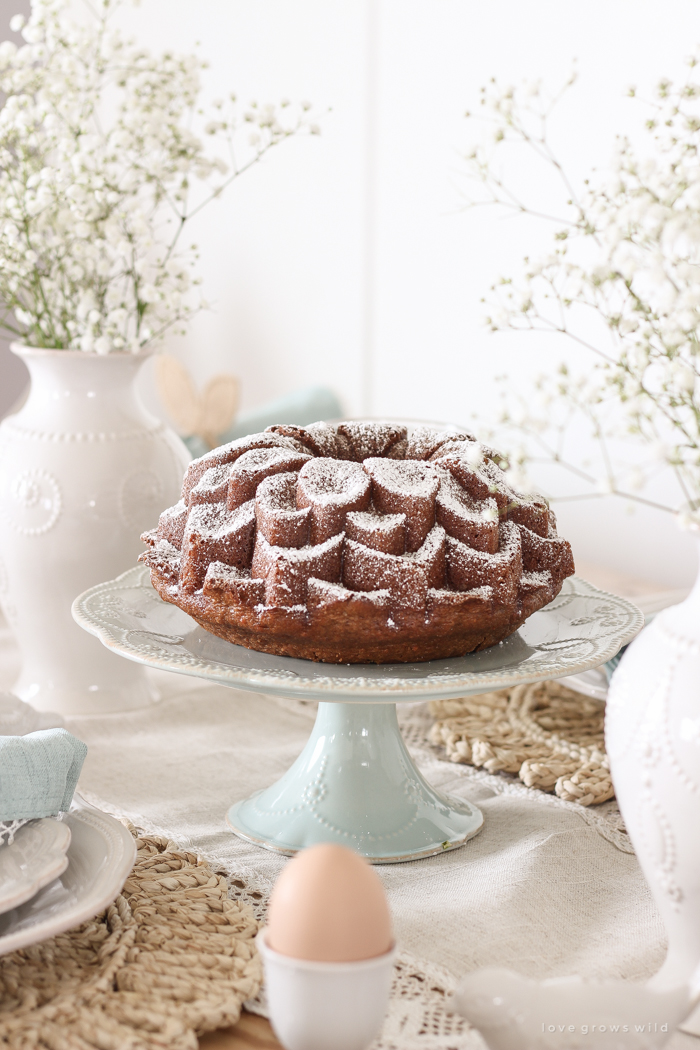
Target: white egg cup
(317, 1005)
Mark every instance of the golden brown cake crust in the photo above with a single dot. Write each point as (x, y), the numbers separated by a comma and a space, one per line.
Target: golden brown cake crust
(357, 543)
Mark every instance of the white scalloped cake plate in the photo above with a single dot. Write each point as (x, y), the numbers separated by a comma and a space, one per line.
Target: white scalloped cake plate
(581, 629)
(100, 856)
(36, 857)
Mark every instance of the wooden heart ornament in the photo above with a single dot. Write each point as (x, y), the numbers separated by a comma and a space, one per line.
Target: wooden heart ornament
(207, 414)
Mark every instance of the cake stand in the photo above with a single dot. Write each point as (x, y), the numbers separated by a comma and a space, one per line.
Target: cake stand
(355, 782)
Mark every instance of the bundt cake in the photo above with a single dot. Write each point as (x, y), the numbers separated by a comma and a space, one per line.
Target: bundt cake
(357, 543)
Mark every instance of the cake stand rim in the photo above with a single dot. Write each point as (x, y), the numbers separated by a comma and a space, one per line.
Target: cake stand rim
(390, 689)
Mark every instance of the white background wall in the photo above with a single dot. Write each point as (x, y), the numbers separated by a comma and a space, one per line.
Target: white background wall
(283, 253)
(348, 259)
(435, 261)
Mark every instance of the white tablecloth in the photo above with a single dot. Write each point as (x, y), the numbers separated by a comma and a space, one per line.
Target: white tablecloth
(546, 888)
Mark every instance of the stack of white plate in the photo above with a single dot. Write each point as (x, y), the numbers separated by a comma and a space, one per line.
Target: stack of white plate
(59, 873)
(56, 874)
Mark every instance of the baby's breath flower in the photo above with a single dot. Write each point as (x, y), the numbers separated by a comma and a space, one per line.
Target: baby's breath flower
(626, 252)
(93, 198)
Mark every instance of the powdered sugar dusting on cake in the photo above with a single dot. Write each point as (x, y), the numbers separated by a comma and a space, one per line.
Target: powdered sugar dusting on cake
(255, 466)
(278, 492)
(212, 487)
(281, 527)
(278, 518)
(383, 532)
(333, 479)
(424, 441)
(164, 558)
(371, 439)
(373, 522)
(407, 478)
(229, 454)
(286, 571)
(331, 488)
(409, 488)
(213, 533)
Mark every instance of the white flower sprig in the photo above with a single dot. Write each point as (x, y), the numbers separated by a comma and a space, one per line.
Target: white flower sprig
(100, 170)
(625, 252)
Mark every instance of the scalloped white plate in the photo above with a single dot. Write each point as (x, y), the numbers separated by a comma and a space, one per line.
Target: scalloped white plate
(36, 857)
(581, 629)
(100, 856)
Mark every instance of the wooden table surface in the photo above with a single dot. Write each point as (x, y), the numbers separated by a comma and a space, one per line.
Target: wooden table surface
(254, 1033)
(251, 1033)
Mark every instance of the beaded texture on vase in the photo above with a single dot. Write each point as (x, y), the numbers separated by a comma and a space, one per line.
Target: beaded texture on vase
(362, 542)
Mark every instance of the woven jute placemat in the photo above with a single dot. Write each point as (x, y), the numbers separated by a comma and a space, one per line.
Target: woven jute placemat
(172, 958)
(550, 736)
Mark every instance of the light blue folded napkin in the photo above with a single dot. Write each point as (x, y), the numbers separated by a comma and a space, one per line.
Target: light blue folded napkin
(38, 773)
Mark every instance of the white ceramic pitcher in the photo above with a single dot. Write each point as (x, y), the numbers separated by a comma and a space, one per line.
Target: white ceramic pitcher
(84, 469)
(652, 736)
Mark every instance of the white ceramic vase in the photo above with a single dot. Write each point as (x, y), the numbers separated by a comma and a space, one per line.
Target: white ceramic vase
(84, 469)
(652, 737)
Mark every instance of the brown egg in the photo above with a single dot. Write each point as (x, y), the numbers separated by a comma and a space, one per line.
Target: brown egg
(328, 905)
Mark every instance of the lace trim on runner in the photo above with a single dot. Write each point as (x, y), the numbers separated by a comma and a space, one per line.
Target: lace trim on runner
(8, 830)
(419, 1016)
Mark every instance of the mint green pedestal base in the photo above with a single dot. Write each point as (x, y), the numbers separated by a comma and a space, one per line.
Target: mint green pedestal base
(356, 784)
